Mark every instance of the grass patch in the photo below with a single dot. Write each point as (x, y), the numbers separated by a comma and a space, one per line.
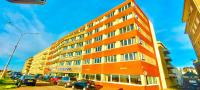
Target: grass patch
(6, 87)
(7, 83)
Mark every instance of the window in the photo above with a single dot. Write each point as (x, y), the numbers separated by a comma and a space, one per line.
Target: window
(111, 58)
(124, 7)
(107, 78)
(109, 24)
(73, 39)
(142, 57)
(96, 30)
(129, 56)
(66, 41)
(77, 62)
(124, 78)
(92, 76)
(69, 63)
(124, 18)
(80, 44)
(81, 36)
(62, 64)
(97, 60)
(151, 80)
(63, 56)
(98, 49)
(140, 41)
(70, 54)
(115, 78)
(111, 46)
(99, 38)
(65, 48)
(78, 53)
(90, 25)
(127, 41)
(88, 51)
(88, 42)
(89, 33)
(72, 46)
(87, 61)
(98, 77)
(111, 14)
(135, 79)
(126, 29)
(111, 34)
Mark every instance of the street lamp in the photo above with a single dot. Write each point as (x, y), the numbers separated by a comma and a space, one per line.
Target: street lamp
(10, 58)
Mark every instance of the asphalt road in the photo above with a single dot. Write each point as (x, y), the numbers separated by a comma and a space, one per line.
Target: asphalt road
(42, 88)
(41, 85)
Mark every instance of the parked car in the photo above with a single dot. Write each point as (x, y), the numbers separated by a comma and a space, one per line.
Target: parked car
(28, 80)
(54, 80)
(15, 75)
(38, 76)
(46, 78)
(66, 81)
(86, 85)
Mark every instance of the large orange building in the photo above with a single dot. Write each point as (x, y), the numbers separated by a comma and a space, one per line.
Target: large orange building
(116, 50)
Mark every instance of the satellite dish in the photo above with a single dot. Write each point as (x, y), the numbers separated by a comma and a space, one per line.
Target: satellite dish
(28, 1)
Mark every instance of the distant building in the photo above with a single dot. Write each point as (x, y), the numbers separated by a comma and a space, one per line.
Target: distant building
(191, 15)
(39, 62)
(196, 64)
(190, 79)
(27, 65)
(179, 76)
(166, 70)
(189, 69)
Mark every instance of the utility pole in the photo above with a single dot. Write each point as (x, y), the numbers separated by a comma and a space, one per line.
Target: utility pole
(11, 56)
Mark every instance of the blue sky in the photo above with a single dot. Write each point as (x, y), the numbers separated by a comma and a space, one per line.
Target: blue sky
(58, 17)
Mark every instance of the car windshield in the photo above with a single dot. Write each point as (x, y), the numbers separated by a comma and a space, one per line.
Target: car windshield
(29, 77)
(73, 79)
(65, 78)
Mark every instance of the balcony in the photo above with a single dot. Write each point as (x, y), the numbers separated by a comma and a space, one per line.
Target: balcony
(167, 58)
(166, 51)
(169, 66)
(172, 75)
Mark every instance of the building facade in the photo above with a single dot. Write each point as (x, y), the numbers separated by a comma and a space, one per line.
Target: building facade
(27, 65)
(39, 62)
(168, 73)
(66, 54)
(191, 15)
(116, 50)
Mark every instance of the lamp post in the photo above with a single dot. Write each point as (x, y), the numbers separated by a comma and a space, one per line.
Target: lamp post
(10, 58)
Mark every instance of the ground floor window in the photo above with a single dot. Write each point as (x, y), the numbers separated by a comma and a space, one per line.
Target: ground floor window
(98, 77)
(135, 79)
(115, 78)
(124, 78)
(151, 80)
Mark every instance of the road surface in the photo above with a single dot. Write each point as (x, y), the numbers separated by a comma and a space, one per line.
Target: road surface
(42, 88)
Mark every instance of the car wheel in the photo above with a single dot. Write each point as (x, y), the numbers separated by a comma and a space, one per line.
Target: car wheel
(19, 84)
(65, 86)
(84, 88)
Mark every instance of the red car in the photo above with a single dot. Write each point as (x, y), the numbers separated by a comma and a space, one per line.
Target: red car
(54, 80)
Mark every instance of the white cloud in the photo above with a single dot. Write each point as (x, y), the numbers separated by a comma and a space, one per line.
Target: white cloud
(180, 37)
(30, 44)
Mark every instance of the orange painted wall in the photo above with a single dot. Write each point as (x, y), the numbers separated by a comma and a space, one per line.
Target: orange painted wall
(107, 86)
(132, 67)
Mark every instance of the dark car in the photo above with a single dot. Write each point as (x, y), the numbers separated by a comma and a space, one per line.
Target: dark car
(86, 85)
(66, 81)
(15, 75)
(46, 78)
(28, 80)
(54, 80)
